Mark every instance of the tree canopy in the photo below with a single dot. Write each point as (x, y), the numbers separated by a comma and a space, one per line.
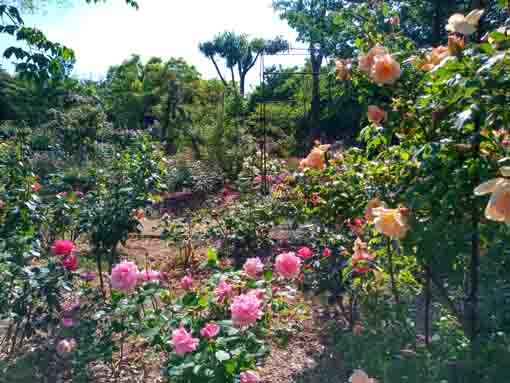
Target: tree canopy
(239, 53)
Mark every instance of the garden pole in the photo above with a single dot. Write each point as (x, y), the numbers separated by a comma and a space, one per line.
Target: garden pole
(475, 248)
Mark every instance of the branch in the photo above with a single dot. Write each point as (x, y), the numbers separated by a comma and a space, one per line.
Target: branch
(443, 295)
(233, 76)
(253, 63)
(218, 70)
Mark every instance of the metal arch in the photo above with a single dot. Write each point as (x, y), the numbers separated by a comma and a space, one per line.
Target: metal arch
(291, 51)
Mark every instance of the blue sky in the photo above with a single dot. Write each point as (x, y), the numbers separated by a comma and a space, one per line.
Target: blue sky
(105, 34)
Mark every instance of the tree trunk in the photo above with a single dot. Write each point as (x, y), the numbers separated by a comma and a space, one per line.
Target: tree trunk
(195, 144)
(233, 77)
(316, 62)
(242, 81)
(170, 114)
(218, 71)
(436, 23)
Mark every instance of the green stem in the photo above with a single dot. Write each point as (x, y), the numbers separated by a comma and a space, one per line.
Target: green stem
(394, 288)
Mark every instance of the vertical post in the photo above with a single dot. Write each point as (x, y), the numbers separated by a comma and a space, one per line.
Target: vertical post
(475, 248)
(265, 188)
(427, 306)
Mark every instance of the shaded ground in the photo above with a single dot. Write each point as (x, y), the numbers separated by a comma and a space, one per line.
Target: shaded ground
(308, 358)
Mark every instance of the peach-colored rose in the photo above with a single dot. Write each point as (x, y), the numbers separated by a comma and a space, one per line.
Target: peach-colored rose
(342, 69)
(455, 44)
(385, 70)
(498, 208)
(371, 205)
(465, 25)
(439, 54)
(365, 62)
(391, 222)
(361, 258)
(376, 114)
(316, 159)
(435, 57)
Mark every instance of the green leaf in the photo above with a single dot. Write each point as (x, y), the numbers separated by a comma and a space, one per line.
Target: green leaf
(230, 367)
(150, 333)
(222, 355)
(212, 256)
(268, 275)
(190, 299)
(386, 10)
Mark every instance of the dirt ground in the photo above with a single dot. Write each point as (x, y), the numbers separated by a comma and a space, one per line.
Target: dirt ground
(308, 357)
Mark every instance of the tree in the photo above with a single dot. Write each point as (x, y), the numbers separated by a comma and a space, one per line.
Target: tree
(42, 59)
(314, 24)
(240, 53)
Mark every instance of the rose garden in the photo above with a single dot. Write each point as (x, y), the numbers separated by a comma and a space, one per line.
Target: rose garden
(364, 243)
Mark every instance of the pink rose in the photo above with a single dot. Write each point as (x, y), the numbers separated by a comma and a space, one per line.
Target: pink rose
(386, 70)
(2, 204)
(253, 267)
(394, 20)
(249, 377)
(357, 329)
(67, 322)
(245, 309)
(36, 187)
(257, 179)
(259, 293)
(183, 342)
(148, 275)
(70, 262)
(72, 305)
(361, 261)
(187, 282)
(316, 199)
(360, 376)
(376, 114)
(62, 247)
(288, 265)
(210, 330)
(66, 346)
(326, 252)
(124, 276)
(223, 291)
(305, 252)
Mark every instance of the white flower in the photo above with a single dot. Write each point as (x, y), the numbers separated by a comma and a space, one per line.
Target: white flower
(465, 25)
